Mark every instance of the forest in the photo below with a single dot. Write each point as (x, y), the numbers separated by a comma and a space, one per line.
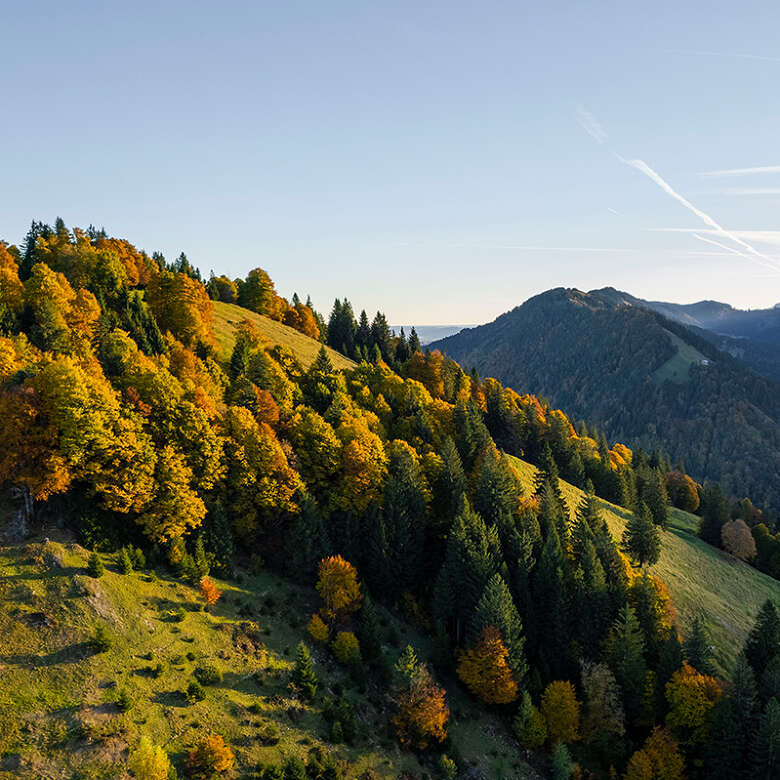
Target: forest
(387, 483)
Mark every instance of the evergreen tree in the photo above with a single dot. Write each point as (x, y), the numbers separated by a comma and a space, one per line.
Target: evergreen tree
(624, 651)
(219, 539)
(363, 333)
(414, 342)
(95, 567)
(496, 608)
(382, 338)
(714, 514)
(401, 348)
(472, 437)
(697, 647)
(369, 635)
(201, 566)
(303, 675)
(306, 541)
(655, 496)
(641, 539)
(766, 746)
(763, 641)
(123, 561)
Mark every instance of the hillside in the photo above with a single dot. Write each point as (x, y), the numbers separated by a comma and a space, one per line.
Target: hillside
(701, 579)
(227, 316)
(752, 337)
(643, 379)
(58, 716)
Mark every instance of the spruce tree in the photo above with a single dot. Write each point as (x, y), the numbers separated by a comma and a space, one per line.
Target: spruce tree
(624, 652)
(714, 514)
(201, 564)
(303, 675)
(763, 641)
(414, 342)
(766, 745)
(369, 635)
(95, 567)
(697, 647)
(641, 539)
(123, 561)
(219, 539)
(496, 608)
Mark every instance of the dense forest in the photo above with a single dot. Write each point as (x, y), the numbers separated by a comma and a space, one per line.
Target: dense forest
(614, 365)
(388, 482)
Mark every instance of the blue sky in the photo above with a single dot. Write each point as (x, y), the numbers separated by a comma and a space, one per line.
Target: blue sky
(440, 161)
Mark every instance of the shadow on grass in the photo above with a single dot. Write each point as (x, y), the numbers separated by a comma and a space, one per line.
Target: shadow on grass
(170, 699)
(71, 654)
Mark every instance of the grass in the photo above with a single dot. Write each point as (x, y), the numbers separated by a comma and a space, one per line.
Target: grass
(227, 316)
(700, 578)
(677, 368)
(59, 716)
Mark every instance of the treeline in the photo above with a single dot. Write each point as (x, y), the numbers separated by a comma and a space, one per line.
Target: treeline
(149, 441)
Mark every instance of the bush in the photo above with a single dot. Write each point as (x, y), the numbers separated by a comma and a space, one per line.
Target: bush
(177, 615)
(195, 692)
(123, 700)
(95, 567)
(102, 640)
(268, 734)
(137, 557)
(346, 647)
(149, 762)
(273, 772)
(447, 767)
(208, 674)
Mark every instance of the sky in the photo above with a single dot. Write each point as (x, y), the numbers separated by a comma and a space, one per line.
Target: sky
(440, 161)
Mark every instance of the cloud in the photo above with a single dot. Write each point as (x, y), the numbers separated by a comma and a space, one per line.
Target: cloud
(750, 191)
(743, 171)
(716, 229)
(591, 125)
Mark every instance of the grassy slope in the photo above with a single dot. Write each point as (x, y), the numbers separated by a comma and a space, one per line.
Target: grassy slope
(677, 368)
(700, 578)
(227, 316)
(57, 714)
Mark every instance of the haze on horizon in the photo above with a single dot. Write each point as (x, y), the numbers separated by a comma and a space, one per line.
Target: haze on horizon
(443, 163)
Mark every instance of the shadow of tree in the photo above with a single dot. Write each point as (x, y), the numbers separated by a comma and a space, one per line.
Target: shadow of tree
(65, 655)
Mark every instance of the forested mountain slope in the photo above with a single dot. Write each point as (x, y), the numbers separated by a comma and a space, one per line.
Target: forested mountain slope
(644, 379)
(752, 336)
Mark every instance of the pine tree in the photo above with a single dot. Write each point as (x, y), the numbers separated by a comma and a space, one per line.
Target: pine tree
(303, 675)
(496, 608)
(219, 539)
(414, 342)
(714, 514)
(561, 764)
(306, 541)
(766, 747)
(123, 561)
(697, 647)
(95, 567)
(201, 567)
(624, 650)
(763, 642)
(450, 486)
(370, 641)
(641, 539)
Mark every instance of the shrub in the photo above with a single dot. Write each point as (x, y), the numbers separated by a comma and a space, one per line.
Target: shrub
(137, 557)
(208, 674)
(178, 615)
(209, 592)
(294, 769)
(95, 567)
(273, 772)
(268, 734)
(195, 692)
(447, 767)
(123, 700)
(102, 640)
(317, 629)
(211, 756)
(346, 647)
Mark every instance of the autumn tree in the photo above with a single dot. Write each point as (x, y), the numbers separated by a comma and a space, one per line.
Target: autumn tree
(561, 710)
(149, 762)
(181, 305)
(209, 592)
(738, 540)
(484, 669)
(658, 759)
(691, 697)
(339, 587)
(210, 757)
(422, 711)
(603, 711)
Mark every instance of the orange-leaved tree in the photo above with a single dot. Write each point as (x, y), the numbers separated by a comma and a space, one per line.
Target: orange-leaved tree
(691, 696)
(209, 592)
(211, 756)
(485, 671)
(659, 757)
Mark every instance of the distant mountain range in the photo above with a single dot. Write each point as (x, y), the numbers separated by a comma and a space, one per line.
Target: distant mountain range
(647, 373)
(428, 333)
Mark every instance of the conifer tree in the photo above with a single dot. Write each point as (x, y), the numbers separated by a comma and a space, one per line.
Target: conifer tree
(124, 562)
(697, 647)
(200, 562)
(370, 640)
(95, 567)
(624, 650)
(763, 641)
(714, 514)
(766, 747)
(219, 539)
(303, 675)
(414, 342)
(306, 541)
(496, 608)
(450, 486)
(641, 539)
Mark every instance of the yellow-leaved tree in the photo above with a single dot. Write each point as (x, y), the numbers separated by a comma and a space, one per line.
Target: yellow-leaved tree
(485, 669)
